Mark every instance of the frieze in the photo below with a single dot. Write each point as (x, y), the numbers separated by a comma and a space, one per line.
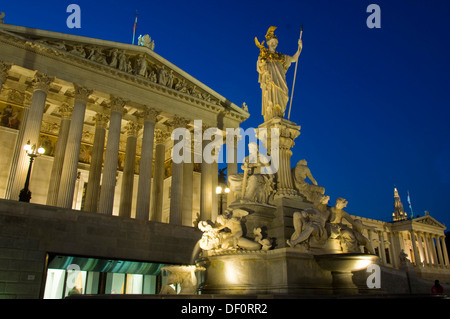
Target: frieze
(137, 65)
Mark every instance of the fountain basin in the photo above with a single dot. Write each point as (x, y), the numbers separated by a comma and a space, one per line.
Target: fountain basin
(345, 262)
(342, 266)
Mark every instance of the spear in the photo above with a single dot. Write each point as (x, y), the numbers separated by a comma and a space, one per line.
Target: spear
(295, 74)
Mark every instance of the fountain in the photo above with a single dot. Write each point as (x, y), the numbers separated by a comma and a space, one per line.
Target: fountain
(280, 235)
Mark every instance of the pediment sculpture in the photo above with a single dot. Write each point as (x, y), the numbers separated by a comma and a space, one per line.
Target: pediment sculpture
(133, 63)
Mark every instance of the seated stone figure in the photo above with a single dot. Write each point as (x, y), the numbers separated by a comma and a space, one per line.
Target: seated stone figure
(300, 173)
(252, 185)
(349, 238)
(309, 225)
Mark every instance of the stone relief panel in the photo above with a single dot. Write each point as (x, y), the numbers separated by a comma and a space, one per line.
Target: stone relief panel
(10, 115)
(133, 63)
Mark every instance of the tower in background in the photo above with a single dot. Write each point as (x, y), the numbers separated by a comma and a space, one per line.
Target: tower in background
(399, 213)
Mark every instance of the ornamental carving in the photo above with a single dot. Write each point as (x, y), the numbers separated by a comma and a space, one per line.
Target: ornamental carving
(132, 128)
(82, 93)
(42, 81)
(4, 68)
(161, 136)
(65, 110)
(101, 119)
(117, 104)
(15, 96)
(150, 114)
(179, 122)
(135, 64)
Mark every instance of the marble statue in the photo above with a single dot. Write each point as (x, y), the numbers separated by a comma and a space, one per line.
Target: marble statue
(309, 225)
(300, 173)
(272, 67)
(184, 276)
(350, 238)
(316, 225)
(252, 186)
(228, 234)
(146, 41)
(142, 66)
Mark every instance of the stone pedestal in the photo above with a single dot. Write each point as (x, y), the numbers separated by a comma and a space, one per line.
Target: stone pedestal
(275, 219)
(276, 271)
(281, 271)
(277, 136)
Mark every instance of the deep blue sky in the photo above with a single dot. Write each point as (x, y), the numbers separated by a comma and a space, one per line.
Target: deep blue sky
(373, 104)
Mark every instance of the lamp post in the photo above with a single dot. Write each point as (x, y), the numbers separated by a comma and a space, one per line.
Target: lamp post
(220, 191)
(32, 152)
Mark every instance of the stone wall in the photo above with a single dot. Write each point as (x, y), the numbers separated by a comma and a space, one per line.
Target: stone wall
(29, 231)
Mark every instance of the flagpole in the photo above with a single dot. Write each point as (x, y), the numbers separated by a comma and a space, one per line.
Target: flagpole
(295, 74)
(134, 28)
(410, 206)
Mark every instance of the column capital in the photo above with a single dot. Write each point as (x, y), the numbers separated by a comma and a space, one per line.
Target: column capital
(4, 68)
(65, 109)
(101, 119)
(117, 104)
(42, 81)
(161, 136)
(149, 114)
(81, 92)
(132, 128)
(178, 122)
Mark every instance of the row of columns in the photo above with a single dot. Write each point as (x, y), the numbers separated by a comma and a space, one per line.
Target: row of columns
(426, 252)
(427, 249)
(64, 170)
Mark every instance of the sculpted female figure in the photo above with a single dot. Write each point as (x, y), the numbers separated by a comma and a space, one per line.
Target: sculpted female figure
(272, 67)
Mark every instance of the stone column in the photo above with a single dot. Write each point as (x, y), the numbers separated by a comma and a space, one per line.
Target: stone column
(188, 179)
(214, 184)
(444, 248)
(4, 68)
(18, 148)
(126, 193)
(281, 147)
(393, 249)
(427, 246)
(382, 248)
(157, 190)
(439, 249)
(416, 253)
(41, 84)
(60, 148)
(72, 154)
(106, 203)
(145, 166)
(95, 168)
(433, 249)
(176, 194)
(232, 165)
(206, 186)
(423, 259)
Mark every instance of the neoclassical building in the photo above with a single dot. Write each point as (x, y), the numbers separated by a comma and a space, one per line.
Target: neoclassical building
(106, 195)
(104, 112)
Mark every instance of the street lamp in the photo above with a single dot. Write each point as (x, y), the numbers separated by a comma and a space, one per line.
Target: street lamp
(32, 152)
(220, 191)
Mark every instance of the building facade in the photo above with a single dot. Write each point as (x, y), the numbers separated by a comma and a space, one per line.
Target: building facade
(104, 113)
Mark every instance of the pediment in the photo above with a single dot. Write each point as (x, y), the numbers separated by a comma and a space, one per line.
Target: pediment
(135, 63)
(428, 220)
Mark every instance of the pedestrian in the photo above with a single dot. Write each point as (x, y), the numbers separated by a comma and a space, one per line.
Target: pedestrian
(437, 288)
